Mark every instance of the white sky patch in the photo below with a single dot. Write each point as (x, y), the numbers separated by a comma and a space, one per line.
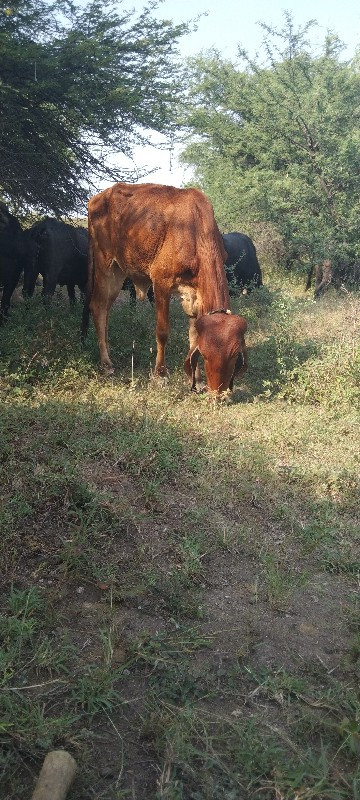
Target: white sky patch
(153, 163)
(225, 25)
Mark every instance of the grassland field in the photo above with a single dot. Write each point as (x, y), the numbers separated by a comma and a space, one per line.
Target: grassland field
(180, 577)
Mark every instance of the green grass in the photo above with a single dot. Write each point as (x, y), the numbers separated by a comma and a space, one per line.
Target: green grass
(179, 603)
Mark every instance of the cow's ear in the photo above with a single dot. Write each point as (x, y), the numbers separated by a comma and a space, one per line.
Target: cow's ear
(240, 363)
(242, 324)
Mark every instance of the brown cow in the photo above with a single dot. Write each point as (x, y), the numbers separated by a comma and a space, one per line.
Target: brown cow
(167, 237)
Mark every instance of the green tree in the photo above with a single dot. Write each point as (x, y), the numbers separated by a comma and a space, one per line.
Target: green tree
(280, 143)
(79, 83)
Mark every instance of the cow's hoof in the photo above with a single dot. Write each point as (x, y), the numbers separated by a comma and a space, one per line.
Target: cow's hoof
(227, 398)
(161, 372)
(160, 380)
(160, 377)
(108, 370)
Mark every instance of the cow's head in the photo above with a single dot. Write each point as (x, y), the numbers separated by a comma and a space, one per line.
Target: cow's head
(8, 223)
(221, 343)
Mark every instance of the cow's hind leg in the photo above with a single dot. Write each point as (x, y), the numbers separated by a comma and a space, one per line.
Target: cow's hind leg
(100, 311)
(106, 289)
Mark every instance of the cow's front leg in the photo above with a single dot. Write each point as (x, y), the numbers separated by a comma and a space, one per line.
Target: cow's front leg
(5, 303)
(48, 290)
(162, 303)
(71, 293)
(191, 364)
(9, 288)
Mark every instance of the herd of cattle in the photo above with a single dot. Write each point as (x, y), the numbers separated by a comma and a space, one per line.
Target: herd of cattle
(158, 239)
(51, 248)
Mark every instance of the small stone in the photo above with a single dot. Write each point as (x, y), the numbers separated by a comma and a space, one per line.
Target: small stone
(307, 629)
(107, 771)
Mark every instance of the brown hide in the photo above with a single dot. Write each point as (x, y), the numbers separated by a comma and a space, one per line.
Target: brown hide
(168, 237)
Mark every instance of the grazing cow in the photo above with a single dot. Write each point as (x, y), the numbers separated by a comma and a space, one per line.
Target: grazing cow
(13, 255)
(241, 266)
(167, 237)
(61, 258)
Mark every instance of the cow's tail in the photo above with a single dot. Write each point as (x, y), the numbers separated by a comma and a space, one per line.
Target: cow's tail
(89, 291)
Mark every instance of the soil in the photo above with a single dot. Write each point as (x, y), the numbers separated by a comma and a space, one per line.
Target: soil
(303, 634)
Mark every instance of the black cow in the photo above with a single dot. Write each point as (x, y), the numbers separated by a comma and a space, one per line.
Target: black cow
(61, 258)
(241, 266)
(14, 251)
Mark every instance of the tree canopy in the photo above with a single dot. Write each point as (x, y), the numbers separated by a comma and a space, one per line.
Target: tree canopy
(79, 82)
(280, 142)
